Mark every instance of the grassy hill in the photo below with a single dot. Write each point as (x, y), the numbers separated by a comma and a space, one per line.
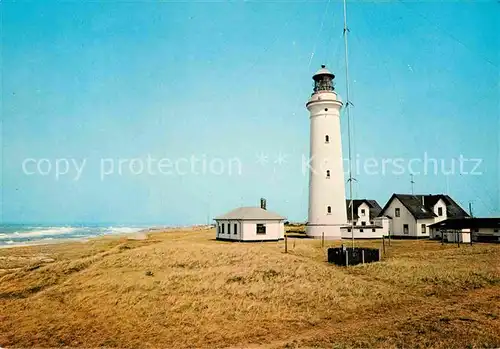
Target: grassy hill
(182, 289)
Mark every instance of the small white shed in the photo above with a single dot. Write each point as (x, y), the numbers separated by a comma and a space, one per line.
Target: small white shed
(250, 224)
(461, 235)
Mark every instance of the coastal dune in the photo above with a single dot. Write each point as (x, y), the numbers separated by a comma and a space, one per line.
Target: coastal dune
(181, 288)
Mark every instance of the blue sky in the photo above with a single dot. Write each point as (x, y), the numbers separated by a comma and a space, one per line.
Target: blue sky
(229, 80)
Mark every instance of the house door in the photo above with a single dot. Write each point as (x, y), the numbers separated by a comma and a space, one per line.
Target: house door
(405, 228)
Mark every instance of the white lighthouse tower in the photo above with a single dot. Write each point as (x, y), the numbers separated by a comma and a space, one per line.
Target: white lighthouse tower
(327, 205)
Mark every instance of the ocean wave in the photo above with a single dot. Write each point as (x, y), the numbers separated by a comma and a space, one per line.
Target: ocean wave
(122, 230)
(32, 235)
(65, 231)
(40, 232)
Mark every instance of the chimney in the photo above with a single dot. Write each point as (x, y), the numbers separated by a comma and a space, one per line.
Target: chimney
(263, 203)
(423, 200)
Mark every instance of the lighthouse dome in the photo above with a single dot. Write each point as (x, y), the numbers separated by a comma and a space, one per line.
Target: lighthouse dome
(323, 71)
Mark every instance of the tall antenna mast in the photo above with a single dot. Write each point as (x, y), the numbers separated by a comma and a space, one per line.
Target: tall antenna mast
(348, 105)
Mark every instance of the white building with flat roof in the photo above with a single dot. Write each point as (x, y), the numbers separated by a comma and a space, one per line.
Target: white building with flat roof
(466, 228)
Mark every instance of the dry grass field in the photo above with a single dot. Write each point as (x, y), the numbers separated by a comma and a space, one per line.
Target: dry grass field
(182, 289)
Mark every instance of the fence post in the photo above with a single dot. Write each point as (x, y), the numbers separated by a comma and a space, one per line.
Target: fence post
(363, 256)
(286, 243)
(346, 258)
(383, 243)
(323, 239)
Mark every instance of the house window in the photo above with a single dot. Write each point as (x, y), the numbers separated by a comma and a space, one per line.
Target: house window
(349, 230)
(362, 211)
(405, 228)
(354, 223)
(229, 228)
(261, 229)
(327, 139)
(327, 173)
(440, 211)
(222, 226)
(235, 228)
(423, 228)
(373, 230)
(219, 228)
(329, 210)
(363, 223)
(360, 230)
(495, 230)
(397, 212)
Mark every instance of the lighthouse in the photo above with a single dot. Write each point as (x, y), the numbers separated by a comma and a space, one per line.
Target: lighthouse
(327, 205)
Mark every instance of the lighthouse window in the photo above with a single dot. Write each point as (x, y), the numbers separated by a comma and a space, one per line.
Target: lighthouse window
(327, 139)
(327, 173)
(329, 210)
(326, 109)
(323, 83)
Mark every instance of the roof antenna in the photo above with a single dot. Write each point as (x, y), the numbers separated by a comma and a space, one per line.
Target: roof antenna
(412, 182)
(470, 210)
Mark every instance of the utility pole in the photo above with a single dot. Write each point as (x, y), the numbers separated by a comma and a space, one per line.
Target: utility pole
(470, 209)
(208, 208)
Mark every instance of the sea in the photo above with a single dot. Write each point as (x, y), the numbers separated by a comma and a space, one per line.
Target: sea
(27, 234)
